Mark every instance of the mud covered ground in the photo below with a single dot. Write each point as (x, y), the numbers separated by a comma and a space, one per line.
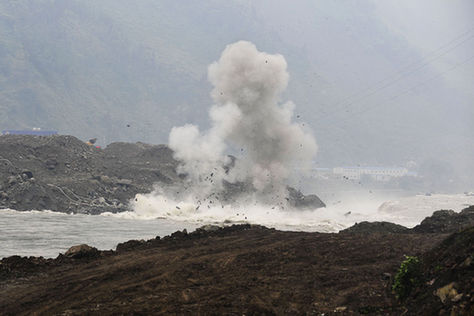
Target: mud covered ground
(245, 270)
(240, 270)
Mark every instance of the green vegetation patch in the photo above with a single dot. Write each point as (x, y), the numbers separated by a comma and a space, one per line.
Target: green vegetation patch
(408, 277)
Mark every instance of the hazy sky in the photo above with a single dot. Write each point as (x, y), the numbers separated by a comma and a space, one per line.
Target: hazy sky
(378, 82)
(430, 24)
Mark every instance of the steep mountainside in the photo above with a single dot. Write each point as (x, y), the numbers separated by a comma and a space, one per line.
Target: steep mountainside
(123, 71)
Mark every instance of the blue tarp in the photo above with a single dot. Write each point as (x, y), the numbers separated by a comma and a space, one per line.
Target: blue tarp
(29, 132)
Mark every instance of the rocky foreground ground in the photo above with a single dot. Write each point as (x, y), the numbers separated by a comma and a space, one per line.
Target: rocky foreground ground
(253, 270)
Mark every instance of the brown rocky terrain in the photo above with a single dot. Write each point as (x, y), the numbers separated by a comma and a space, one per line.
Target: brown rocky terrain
(245, 269)
(447, 279)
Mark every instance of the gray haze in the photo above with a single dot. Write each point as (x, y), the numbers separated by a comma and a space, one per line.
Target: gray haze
(380, 83)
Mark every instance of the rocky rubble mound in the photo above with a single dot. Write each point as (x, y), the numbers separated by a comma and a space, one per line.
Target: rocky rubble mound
(62, 173)
(443, 221)
(446, 221)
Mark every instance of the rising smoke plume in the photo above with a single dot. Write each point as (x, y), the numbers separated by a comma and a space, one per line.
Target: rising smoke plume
(247, 118)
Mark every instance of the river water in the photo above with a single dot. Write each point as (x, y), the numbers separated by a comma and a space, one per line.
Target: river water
(45, 233)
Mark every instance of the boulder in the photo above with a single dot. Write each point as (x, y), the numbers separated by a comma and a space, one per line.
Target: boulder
(301, 201)
(123, 182)
(51, 163)
(27, 174)
(82, 251)
(12, 180)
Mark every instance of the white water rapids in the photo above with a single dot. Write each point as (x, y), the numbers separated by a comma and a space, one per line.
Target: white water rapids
(44, 233)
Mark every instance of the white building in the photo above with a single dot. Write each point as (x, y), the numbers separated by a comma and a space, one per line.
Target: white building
(377, 173)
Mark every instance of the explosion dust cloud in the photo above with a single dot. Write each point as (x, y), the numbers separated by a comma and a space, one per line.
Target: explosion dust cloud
(248, 118)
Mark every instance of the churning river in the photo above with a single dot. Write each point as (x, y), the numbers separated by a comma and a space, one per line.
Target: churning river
(44, 233)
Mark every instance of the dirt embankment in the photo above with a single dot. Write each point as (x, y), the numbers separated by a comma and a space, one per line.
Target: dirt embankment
(243, 269)
(247, 270)
(447, 278)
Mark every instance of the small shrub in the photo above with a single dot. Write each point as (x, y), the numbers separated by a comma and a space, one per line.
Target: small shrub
(408, 277)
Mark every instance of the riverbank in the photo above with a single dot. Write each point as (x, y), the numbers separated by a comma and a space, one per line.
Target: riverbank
(236, 270)
(252, 270)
